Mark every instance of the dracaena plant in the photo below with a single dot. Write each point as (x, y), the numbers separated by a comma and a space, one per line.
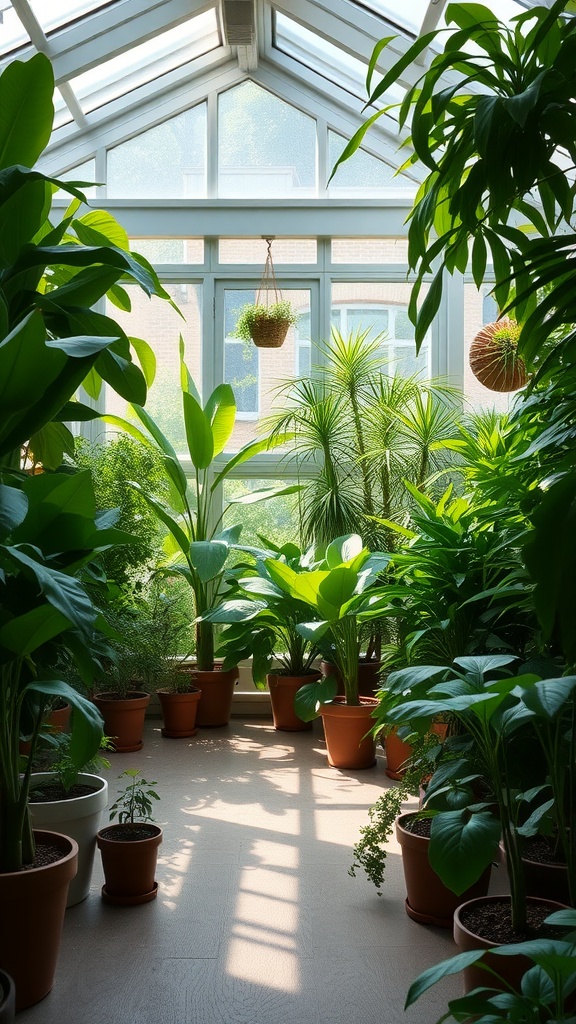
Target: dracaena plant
(198, 546)
(261, 619)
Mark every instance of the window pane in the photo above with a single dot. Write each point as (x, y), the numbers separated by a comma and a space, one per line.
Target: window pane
(170, 250)
(83, 172)
(363, 174)
(12, 32)
(146, 62)
(276, 519)
(253, 250)
(382, 308)
(166, 162)
(61, 12)
(256, 373)
(480, 309)
(266, 147)
(160, 325)
(370, 250)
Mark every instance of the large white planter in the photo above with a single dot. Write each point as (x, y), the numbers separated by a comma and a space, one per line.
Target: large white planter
(78, 818)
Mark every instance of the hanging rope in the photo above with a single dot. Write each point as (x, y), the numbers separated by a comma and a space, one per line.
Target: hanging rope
(268, 285)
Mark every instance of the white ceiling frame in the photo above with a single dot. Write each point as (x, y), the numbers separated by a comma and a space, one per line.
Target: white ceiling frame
(82, 47)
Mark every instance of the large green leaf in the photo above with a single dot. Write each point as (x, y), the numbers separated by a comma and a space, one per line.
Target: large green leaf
(21, 216)
(198, 432)
(100, 228)
(13, 508)
(25, 633)
(462, 845)
(86, 723)
(63, 592)
(208, 558)
(310, 696)
(221, 412)
(549, 696)
(26, 110)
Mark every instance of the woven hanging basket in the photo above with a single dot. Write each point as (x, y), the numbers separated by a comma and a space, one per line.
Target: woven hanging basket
(268, 332)
(494, 358)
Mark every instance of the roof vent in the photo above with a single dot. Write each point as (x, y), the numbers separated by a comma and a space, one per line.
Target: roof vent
(239, 22)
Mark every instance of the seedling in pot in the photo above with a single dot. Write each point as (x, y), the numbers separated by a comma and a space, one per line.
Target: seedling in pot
(135, 801)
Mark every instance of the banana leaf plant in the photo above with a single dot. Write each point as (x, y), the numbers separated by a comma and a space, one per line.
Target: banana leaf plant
(341, 592)
(492, 705)
(261, 619)
(197, 546)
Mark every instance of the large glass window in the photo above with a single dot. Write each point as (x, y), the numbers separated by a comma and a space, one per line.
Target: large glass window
(61, 12)
(170, 250)
(255, 374)
(363, 174)
(161, 326)
(276, 519)
(266, 147)
(253, 250)
(166, 162)
(370, 250)
(381, 309)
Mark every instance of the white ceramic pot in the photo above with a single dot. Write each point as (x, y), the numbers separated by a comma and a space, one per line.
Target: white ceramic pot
(78, 818)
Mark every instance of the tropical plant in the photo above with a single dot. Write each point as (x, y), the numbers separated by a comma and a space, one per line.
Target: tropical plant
(364, 432)
(134, 803)
(546, 991)
(253, 315)
(63, 770)
(51, 342)
(261, 619)
(493, 706)
(494, 146)
(197, 549)
(340, 591)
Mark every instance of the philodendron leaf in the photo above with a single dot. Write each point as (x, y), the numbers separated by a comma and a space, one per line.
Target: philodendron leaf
(208, 558)
(462, 845)
(310, 696)
(87, 725)
(13, 508)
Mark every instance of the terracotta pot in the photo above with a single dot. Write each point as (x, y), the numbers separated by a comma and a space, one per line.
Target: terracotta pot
(345, 728)
(32, 907)
(179, 712)
(7, 999)
(78, 818)
(428, 900)
(548, 881)
(510, 968)
(397, 753)
(215, 705)
(124, 719)
(368, 676)
(58, 720)
(283, 689)
(129, 865)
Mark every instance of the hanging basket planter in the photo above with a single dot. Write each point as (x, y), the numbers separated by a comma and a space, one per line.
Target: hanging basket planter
(494, 358)
(266, 322)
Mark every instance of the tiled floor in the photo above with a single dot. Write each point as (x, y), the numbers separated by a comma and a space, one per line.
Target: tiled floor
(257, 920)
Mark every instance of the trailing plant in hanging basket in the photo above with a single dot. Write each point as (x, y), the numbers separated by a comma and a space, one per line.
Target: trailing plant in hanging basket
(266, 326)
(494, 358)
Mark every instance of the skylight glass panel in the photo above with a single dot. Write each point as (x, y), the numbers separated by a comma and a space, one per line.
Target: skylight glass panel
(147, 61)
(407, 15)
(363, 175)
(62, 114)
(54, 14)
(12, 32)
(322, 56)
(165, 162)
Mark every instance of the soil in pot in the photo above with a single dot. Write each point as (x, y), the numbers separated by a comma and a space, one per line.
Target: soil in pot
(483, 923)
(428, 900)
(346, 730)
(32, 907)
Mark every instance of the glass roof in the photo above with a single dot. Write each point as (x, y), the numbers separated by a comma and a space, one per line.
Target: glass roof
(12, 32)
(53, 14)
(147, 61)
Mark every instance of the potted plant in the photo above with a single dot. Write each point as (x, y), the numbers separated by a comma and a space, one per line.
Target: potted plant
(265, 325)
(51, 341)
(340, 592)
(199, 547)
(129, 848)
(261, 622)
(68, 800)
(542, 991)
(493, 706)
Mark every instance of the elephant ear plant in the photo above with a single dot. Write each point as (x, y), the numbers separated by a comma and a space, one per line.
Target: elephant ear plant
(198, 547)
